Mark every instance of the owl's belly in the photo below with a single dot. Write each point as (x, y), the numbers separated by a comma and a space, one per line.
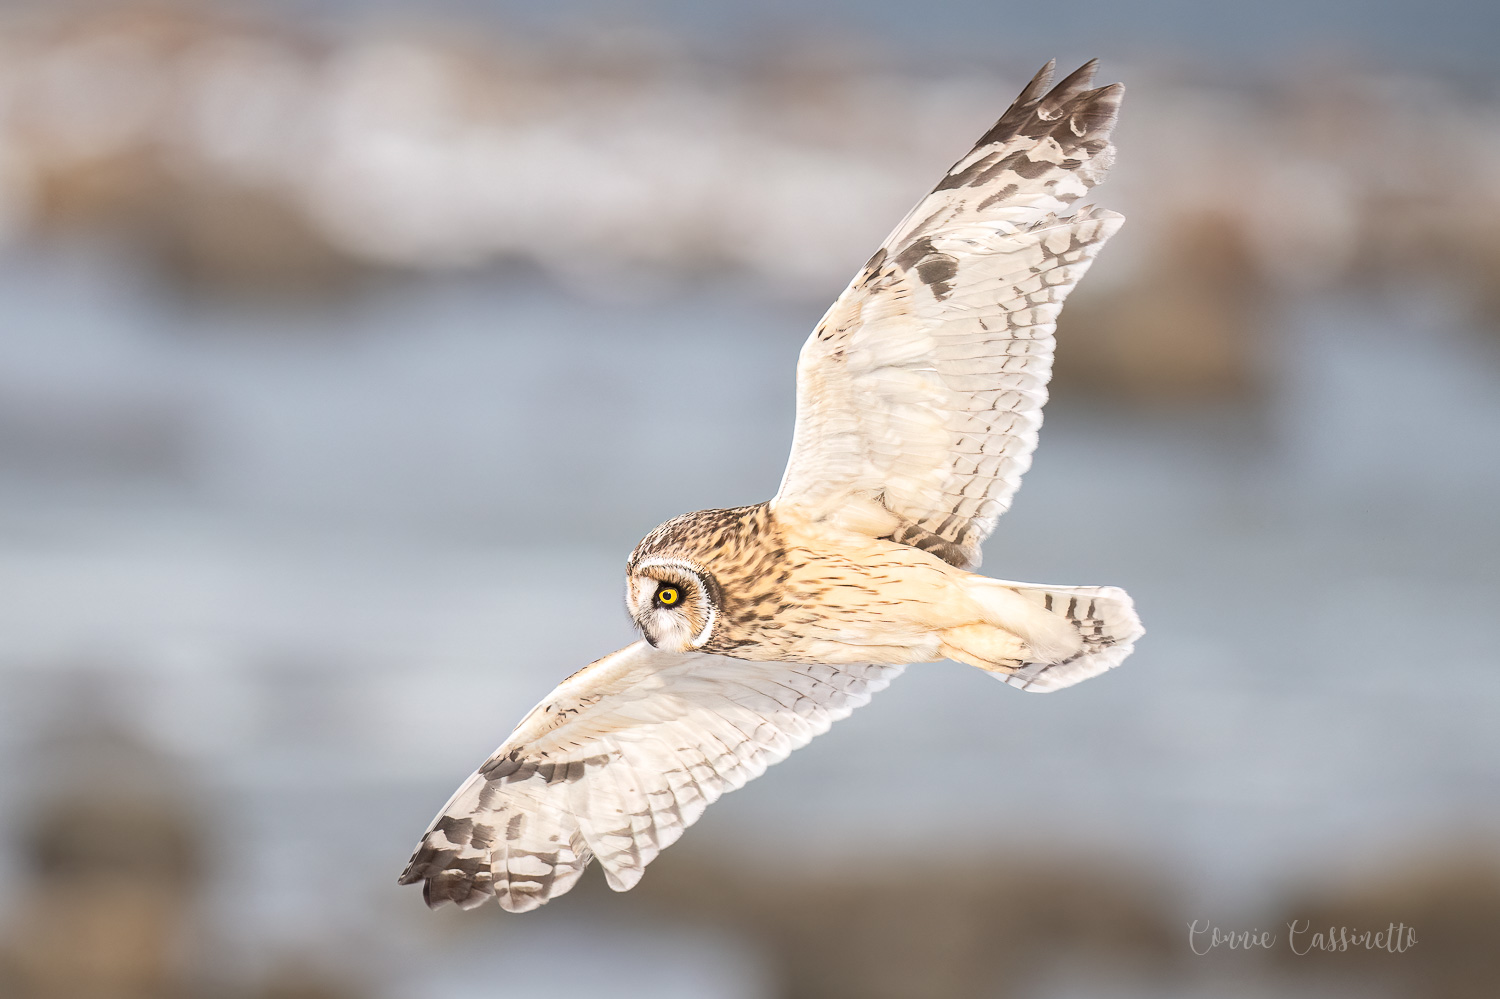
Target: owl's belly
(829, 640)
(867, 601)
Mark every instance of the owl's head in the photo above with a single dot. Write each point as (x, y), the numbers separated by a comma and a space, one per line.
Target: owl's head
(674, 602)
(673, 576)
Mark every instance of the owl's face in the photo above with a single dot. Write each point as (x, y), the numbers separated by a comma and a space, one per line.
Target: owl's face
(672, 602)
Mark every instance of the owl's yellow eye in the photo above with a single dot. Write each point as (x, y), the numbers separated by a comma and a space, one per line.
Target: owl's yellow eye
(668, 595)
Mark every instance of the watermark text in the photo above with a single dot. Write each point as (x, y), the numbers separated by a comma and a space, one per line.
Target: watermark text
(1301, 938)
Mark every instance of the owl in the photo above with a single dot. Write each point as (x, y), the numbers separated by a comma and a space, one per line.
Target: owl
(919, 398)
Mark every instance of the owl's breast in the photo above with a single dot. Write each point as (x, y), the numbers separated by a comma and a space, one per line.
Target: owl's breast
(816, 596)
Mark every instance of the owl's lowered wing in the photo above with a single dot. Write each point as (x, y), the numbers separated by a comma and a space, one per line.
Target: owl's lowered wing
(920, 393)
(617, 761)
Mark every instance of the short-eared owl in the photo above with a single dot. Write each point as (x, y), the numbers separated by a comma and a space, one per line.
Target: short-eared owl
(919, 396)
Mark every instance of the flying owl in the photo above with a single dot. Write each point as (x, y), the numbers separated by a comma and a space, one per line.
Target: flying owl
(919, 397)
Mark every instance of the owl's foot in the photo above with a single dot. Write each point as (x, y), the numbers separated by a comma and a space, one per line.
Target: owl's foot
(986, 646)
(1101, 623)
(1019, 625)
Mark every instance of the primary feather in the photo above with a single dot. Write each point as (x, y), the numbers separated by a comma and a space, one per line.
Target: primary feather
(619, 760)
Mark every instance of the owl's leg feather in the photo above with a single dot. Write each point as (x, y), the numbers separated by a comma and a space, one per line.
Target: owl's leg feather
(1048, 636)
(986, 646)
(1101, 622)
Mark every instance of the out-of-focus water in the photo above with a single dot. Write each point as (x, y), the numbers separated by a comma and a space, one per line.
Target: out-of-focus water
(356, 542)
(1441, 35)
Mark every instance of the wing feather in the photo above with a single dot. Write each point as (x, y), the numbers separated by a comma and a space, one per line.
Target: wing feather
(617, 762)
(922, 388)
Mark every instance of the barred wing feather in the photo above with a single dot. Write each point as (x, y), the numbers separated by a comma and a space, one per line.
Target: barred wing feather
(920, 393)
(617, 761)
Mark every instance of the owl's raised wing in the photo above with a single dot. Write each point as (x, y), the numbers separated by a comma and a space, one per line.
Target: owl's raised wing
(920, 393)
(622, 757)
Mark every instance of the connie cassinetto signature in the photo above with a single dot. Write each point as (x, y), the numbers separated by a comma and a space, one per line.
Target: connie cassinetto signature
(1301, 938)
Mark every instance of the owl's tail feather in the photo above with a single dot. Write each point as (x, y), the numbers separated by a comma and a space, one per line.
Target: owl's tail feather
(1067, 633)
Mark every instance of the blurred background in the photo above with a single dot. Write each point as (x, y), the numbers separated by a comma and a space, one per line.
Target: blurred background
(336, 340)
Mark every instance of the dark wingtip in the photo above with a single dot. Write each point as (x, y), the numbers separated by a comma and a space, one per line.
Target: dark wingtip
(1090, 114)
(409, 876)
(1039, 83)
(444, 887)
(1072, 85)
(465, 888)
(1096, 111)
